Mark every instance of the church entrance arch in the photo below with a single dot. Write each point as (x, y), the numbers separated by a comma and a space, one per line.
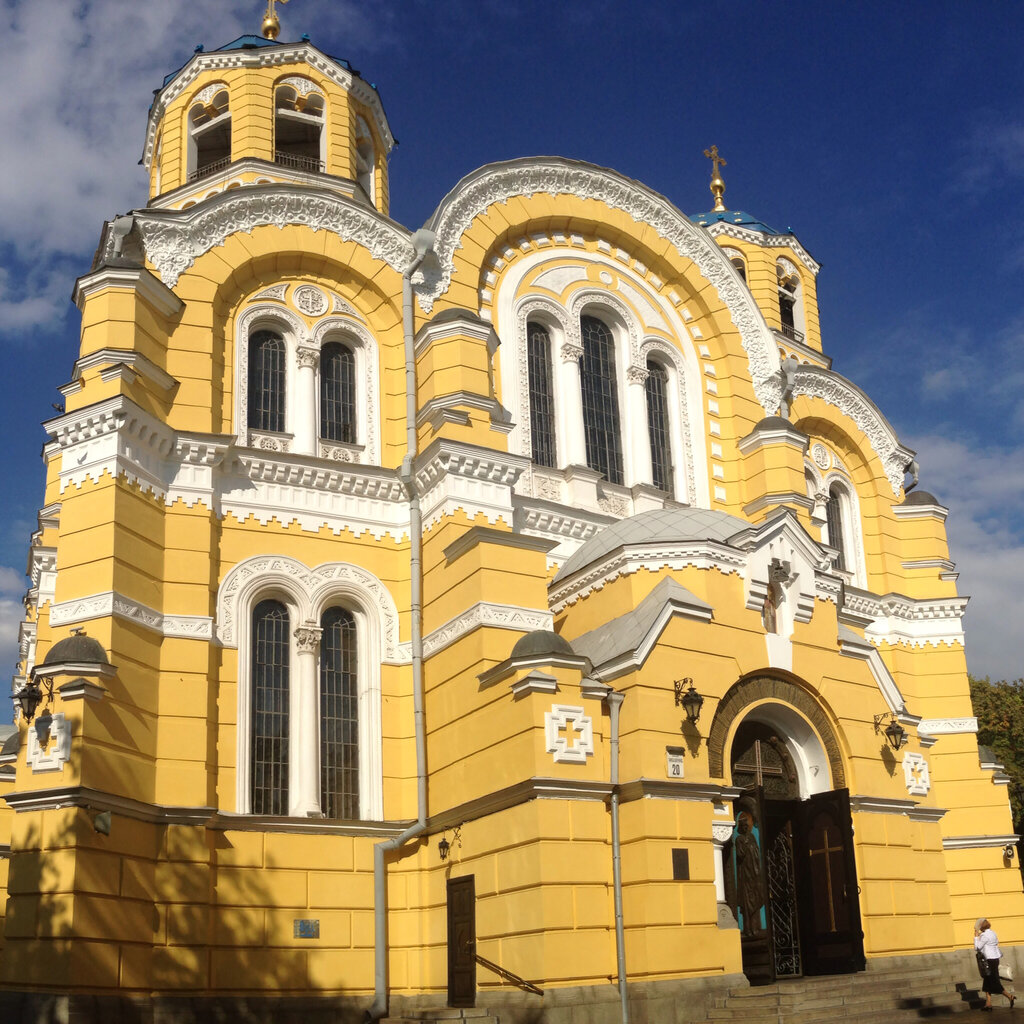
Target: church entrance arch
(790, 873)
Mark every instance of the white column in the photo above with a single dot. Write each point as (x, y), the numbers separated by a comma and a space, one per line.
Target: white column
(304, 419)
(304, 739)
(721, 833)
(638, 470)
(572, 444)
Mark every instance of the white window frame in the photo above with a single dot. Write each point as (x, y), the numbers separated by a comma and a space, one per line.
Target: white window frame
(671, 360)
(789, 270)
(303, 87)
(849, 513)
(192, 131)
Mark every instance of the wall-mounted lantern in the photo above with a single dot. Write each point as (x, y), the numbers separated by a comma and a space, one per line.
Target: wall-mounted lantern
(30, 696)
(1008, 851)
(688, 699)
(894, 732)
(444, 848)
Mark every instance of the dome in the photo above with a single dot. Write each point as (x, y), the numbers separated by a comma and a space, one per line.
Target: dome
(921, 498)
(539, 642)
(659, 526)
(77, 649)
(773, 423)
(11, 745)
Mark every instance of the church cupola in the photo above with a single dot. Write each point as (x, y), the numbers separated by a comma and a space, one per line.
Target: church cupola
(258, 111)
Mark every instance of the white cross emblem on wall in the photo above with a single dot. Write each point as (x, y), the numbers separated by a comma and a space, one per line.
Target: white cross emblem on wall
(569, 733)
(916, 774)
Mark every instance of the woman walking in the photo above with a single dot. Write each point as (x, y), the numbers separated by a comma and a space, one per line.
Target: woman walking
(987, 945)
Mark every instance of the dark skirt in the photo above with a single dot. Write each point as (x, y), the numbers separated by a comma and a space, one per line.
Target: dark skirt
(992, 984)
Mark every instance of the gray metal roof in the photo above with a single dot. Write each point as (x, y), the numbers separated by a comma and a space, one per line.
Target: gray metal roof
(659, 526)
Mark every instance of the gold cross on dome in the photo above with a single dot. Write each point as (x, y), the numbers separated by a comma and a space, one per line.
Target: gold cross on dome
(717, 186)
(716, 160)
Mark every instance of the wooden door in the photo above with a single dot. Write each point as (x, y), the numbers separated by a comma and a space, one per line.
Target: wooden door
(462, 941)
(832, 940)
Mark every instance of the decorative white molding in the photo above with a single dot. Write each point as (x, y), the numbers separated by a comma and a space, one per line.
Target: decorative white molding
(174, 240)
(58, 747)
(107, 603)
(569, 734)
(861, 804)
(136, 279)
(135, 361)
(302, 85)
(947, 726)
(928, 511)
(310, 300)
(277, 292)
(979, 842)
(721, 831)
(837, 391)
(484, 613)
(497, 183)
(311, 590)
(271, 56)
(766, 241)
(916, 774)
(913, 622)
(534, 682)
(81, 689)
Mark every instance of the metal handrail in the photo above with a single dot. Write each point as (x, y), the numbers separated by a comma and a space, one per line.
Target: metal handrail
(514, 979)
(792, 333)
(295, 160)
(210, 168)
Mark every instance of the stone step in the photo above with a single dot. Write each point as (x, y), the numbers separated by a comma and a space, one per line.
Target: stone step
(443, 1013)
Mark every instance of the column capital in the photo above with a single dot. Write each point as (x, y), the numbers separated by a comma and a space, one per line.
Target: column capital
(307, 638)
(637, 374)
(571, 353)
(307, 357)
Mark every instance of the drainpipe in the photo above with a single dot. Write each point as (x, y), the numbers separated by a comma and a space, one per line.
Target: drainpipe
(615, 699)
(423, 242)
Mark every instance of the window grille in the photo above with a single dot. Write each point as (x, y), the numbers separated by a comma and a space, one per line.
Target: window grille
(600, 400)
(658, 427)
(834, 522)
(339, 716)
(338, 393)
(266, 381)
(542, 405)
(269, 751)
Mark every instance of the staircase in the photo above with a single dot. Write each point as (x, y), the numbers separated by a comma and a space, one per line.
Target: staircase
(863, 998)
(444, 1015)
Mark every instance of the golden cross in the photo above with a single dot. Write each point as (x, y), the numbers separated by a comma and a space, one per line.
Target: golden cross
(711, 154)
(271, 22)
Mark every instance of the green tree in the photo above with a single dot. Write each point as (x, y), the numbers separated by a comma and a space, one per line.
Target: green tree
(999, 708)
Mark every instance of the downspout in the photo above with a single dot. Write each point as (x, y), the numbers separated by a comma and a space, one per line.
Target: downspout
(423, 242)
(615, 699)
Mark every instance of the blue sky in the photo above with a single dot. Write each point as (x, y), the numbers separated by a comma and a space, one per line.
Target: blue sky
(890, 137)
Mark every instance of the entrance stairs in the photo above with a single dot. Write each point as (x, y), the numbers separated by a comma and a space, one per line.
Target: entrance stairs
(863, 998)
(444, 1015)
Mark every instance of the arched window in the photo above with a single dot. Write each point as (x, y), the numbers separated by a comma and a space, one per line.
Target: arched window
(658, 425)
(337, 393)
(599, 384)
(271, 655)
(542, 403)
(365, 159)
(339, 715)
(741, 267)
(834, 523)
(298, 129)
(209, 125)
(791, 312)
(266, 381)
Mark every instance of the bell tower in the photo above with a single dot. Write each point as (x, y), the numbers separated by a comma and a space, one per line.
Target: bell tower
(259, 111)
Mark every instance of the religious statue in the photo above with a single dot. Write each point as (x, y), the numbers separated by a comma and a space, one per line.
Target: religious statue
(788, 373)
(749, 882)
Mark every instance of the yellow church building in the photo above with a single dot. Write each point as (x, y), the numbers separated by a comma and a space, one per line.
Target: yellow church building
(516, 614)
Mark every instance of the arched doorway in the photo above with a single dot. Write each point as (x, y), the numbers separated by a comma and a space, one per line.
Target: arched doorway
(790, 873)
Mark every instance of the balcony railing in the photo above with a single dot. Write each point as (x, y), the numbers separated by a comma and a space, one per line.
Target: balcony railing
(792, 333)
(210, 168)
(295, 160)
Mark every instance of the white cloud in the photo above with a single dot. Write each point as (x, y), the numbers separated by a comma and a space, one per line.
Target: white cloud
(12, 581)
(984, 489)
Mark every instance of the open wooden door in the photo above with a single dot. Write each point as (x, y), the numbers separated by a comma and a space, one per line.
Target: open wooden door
(831, 938)
(462, 941)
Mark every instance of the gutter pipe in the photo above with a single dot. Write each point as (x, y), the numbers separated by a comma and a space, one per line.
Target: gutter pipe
(615, 699)
(423, 243)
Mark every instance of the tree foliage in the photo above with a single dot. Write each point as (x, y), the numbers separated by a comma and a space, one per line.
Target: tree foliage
(999, 708)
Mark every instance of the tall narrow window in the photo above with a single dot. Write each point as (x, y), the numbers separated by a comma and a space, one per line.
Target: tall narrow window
(339, 716)
(790, 300)
(834, 522)
(658, 427)
(600, 399)
(365, 159)
(741, 267)
(209, 136)
(269, 747)
(542, 405)
(266, 381)
(298, 127)
(338, 393)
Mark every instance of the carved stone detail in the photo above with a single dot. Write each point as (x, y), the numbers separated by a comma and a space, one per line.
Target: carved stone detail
(310, 300)
(820, 455)
(569, 734)
(916, 774)
(57, 751)
(571, 353)
(175, 239)
(205, 95)
(303, 86)
(307, 638)
(484, 613)
(268, 442)
(308, 358)
(637, 374)
(275, 291)
(560, 177)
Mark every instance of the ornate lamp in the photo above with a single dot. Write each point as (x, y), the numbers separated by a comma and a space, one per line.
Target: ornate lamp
(28, 699)
(688, 699)
(894, 732)
(444, 847)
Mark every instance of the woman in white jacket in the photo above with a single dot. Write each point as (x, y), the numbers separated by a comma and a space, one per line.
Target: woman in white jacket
(986, 943)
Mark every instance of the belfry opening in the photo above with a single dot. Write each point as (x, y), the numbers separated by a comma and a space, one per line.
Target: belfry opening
(790, 876)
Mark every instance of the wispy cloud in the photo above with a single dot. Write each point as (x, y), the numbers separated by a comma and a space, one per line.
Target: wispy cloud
(993, 155)
(13, 584)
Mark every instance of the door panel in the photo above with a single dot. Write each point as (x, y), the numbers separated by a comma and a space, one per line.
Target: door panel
(462, 941)
(831, 938)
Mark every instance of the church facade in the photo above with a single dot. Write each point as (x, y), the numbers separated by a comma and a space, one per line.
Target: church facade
(518, 612)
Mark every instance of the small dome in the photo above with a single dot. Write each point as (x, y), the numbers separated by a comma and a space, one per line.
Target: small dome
(656, 526)
(541, 641)
(774, 423)
(77, 649)
(921, 498)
